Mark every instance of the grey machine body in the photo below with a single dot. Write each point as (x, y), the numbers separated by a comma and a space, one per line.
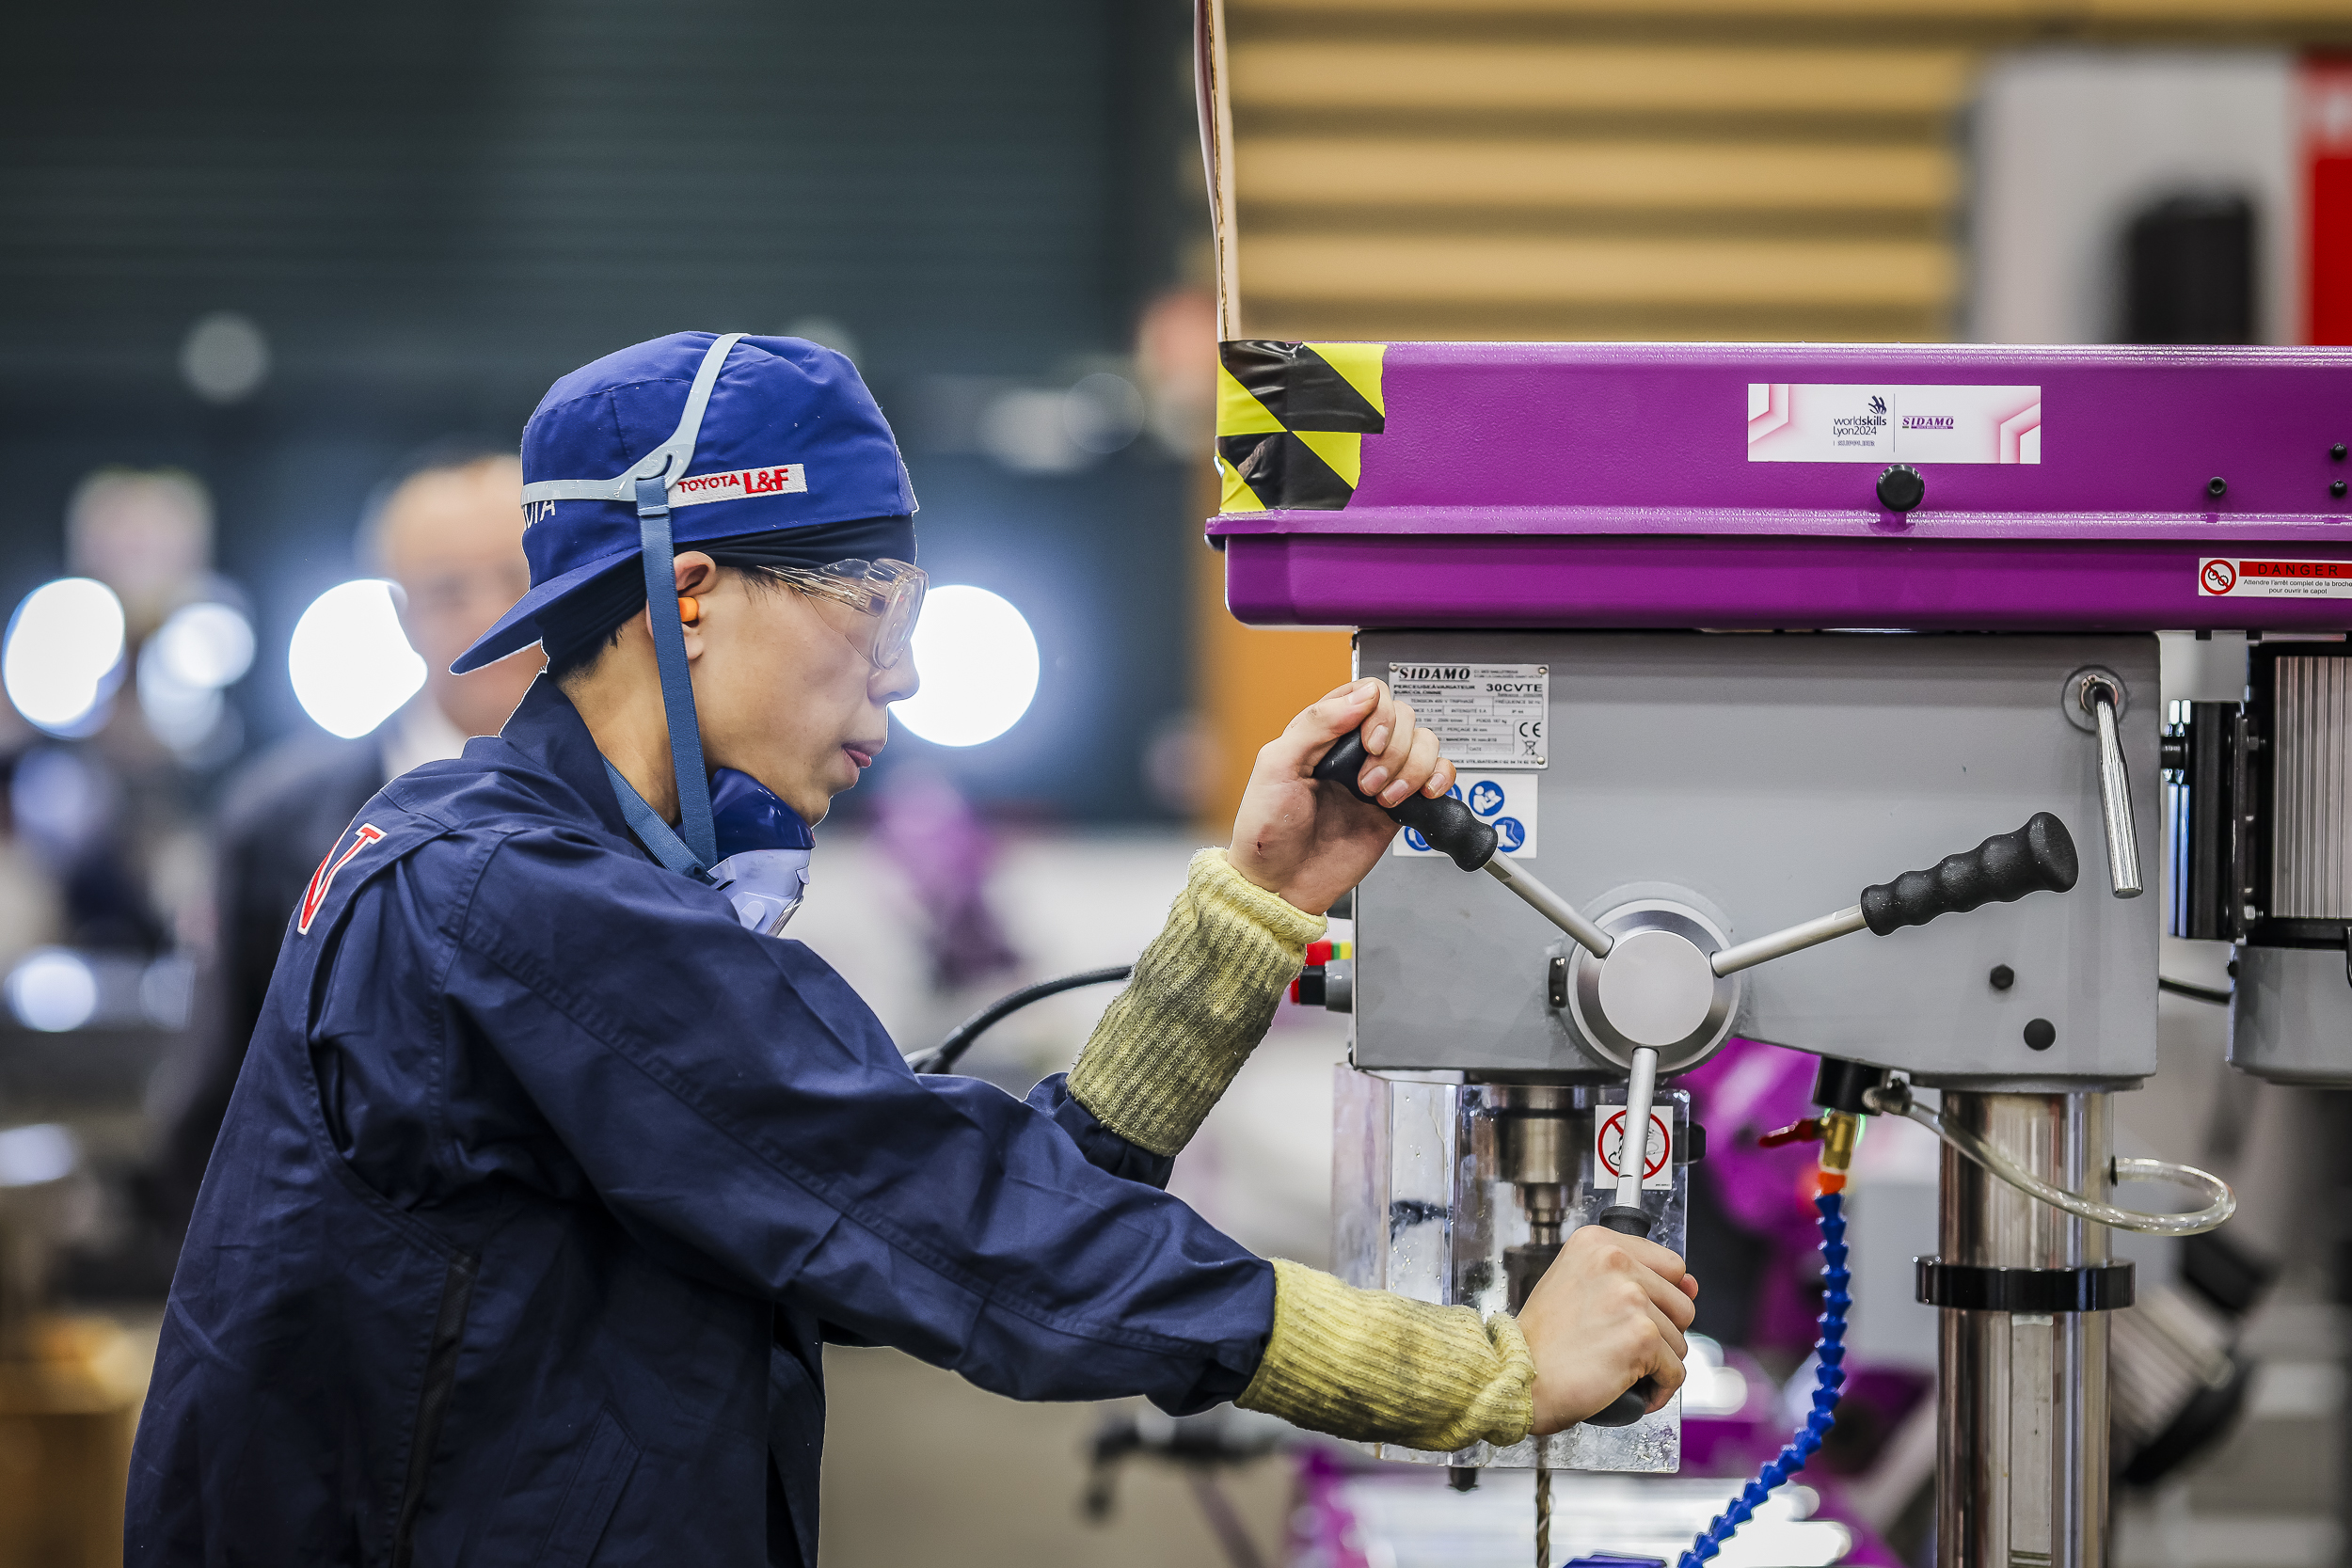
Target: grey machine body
(1760, 780)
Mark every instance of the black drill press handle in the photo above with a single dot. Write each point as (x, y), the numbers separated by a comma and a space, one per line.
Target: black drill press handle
(1632, 1405)
(1450, 826)
(2037, 857)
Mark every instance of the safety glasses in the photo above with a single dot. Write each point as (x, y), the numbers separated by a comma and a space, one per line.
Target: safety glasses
(889, 591)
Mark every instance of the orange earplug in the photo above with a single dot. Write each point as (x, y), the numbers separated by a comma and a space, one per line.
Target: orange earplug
(690, 609)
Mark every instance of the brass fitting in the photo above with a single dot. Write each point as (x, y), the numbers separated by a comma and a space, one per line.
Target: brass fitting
(1841, 1131)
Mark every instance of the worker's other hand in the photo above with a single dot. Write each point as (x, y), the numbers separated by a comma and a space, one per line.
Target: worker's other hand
(1309, 842)
(1609, 1312)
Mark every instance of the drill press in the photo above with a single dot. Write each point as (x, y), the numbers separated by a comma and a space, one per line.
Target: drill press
(1731, 630)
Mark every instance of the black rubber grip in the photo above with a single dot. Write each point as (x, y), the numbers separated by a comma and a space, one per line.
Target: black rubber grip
(1448, 825)
(2036, 858)
(1632, 1405)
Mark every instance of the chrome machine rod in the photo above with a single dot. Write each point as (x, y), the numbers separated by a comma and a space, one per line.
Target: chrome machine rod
(2115, 793)
(1551, 907)
(2022, 1431)
(1779, 944)
(1641, 1095)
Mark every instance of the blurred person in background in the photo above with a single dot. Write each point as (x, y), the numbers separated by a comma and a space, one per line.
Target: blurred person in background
(447, 528)
(105, 804)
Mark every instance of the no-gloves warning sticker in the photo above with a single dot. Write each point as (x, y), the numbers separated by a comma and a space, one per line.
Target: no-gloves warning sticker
(2221, 578)
(1658, 1159)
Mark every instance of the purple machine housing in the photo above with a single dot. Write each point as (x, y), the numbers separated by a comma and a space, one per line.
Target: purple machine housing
(1616, 484)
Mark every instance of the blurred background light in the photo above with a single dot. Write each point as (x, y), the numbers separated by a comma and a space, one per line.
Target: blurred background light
(42, 1153)
(63, 656)
(1103, 413)
(1033, 430)
(181, 671)
(60, 800)
(351, 664)
(224, 359)
(206, 645)
(52, 989)
(180, 713)
(1710, 1386)
(978, 661)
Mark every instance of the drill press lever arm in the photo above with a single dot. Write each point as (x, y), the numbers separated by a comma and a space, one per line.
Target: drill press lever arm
(2037, 857)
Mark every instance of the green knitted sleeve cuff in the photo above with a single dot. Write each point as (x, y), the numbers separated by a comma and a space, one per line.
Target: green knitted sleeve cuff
(1378, 1367)
(1202, 995)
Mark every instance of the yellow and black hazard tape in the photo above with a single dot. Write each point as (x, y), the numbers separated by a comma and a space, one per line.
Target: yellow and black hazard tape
(1291, 421)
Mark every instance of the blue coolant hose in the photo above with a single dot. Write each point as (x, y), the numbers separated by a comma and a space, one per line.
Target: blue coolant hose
(1830, 1354)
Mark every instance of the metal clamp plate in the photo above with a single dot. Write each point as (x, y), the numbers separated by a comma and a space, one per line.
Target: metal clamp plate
(1971, 1288)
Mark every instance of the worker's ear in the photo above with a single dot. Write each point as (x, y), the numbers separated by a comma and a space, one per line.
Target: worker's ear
(697, 575)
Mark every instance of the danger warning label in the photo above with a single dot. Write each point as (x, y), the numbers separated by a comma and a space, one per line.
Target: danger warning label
(2219, 577)
(1658, 1159)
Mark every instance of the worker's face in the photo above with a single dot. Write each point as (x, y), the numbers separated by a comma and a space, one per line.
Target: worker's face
(784, 684)
(453, 539)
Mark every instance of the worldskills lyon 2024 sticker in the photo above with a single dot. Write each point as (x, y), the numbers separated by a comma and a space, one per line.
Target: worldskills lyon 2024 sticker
(1504, 802)
(2273, 579)
(1797, 423)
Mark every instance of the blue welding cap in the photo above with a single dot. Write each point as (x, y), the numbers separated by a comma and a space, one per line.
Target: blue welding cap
(748, 436)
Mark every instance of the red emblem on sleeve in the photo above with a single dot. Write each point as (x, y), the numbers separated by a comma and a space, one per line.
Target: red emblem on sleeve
(323, 878)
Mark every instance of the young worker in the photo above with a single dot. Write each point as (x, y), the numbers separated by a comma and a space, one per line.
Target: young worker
(550, 1169)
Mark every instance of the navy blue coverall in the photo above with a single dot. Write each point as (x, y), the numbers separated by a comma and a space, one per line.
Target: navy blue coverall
(544, 1182)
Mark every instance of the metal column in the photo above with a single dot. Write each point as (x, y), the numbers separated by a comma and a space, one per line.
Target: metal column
(2022, 1439)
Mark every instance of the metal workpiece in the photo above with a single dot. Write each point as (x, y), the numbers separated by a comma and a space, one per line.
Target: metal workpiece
(1763, 779)
(2022, 1441)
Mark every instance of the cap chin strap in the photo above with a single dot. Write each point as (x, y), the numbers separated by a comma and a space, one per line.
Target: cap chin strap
(666, 462)
(658, 836)
(699, 835)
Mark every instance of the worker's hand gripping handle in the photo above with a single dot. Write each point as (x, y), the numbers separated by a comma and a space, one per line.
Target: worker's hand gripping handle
(1632, 1405)
(2037, 857)
(1448, 825)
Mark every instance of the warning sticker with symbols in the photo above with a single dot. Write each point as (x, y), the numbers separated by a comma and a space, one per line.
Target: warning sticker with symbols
(1658, 1159)
(1485, 715)
(1504, 802)
(2274, 580)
